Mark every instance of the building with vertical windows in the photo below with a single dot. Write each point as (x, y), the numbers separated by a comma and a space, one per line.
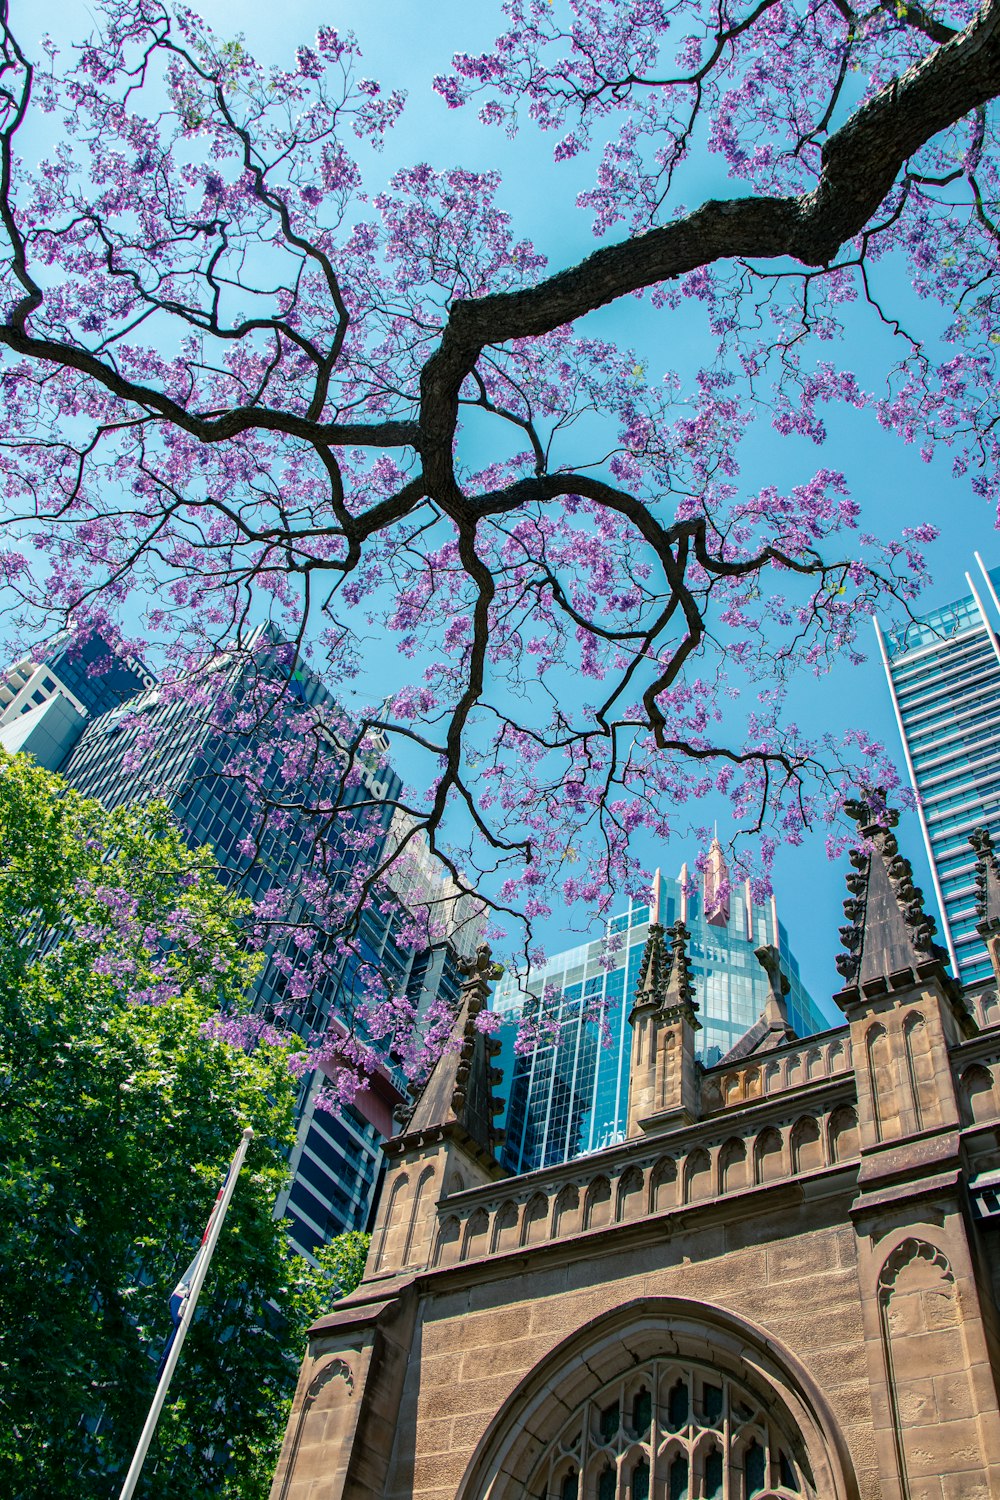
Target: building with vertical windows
(82, 668)
(47, 696)
(568, 1091)
(944, 677)
(126, 740)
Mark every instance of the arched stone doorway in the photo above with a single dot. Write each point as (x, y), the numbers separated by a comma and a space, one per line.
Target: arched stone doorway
(663, 1399)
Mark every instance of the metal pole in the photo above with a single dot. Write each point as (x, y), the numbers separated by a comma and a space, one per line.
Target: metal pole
(170, 1364)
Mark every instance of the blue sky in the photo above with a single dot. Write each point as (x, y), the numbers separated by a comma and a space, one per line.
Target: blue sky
(405, 43)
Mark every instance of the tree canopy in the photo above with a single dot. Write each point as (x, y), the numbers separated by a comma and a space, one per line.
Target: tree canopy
(241, 380)
(119, 1112)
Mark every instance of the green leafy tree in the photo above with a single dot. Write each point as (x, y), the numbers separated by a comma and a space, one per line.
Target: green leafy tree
(313, 1289)
(121, 1104)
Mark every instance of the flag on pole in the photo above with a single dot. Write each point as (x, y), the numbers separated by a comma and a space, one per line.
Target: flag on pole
(182, 1309)
(182, 1291)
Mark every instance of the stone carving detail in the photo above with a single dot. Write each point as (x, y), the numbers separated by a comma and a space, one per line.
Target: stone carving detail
(987, 878)
(977, 1092)
(674, 1427)
(987, 894)
(728, 1087)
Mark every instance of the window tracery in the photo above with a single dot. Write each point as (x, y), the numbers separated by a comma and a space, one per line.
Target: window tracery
(674, 1429)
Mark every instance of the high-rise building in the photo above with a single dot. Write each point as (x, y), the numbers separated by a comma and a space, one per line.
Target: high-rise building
(47, 696)
(83, 668)
(154, 743)
(568, 1075)
(943, 672)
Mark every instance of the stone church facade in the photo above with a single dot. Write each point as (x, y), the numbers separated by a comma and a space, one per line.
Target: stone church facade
(784, 1283)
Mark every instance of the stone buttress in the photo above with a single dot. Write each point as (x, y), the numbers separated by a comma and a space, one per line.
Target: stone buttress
(924, 1306)
(342, 1427)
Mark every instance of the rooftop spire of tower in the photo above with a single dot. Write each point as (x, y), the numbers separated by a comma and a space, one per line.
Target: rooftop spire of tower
(716, 886)
(654, 897)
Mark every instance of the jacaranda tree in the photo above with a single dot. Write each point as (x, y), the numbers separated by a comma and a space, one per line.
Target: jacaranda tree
(119, 1112)
(238, 381)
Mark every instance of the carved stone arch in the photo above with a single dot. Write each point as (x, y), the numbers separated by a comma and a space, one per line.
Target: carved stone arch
(814, 1064)
(907, 1253)
(707, 1445)
(919, 1071)
(327, 1397)
(733, 1166)
(449, 1238)
(390, 1220)
(880, 1075)
(842, 1133)
(535, 1225)
(597, 1207)
(663, 1185)
(768, 1156)
(989, 1009)
(456, 1182)
(476, 1237)
(566, 1219)
(807, 1145)
(419, 1192)
(628, 1203)
(918, 1308)
(697, 1176)
(505, 1228)
(525, 1442)
(977, 1094)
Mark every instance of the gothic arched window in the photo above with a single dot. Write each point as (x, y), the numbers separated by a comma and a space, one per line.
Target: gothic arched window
(690, 1432)
(663, 1398)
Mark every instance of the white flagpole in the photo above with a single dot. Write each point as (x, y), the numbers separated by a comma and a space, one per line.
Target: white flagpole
(187, 1314)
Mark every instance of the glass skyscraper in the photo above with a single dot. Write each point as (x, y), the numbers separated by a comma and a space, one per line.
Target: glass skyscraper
(132, 741)
(568, 1087)
(943, 672)
(83, 669)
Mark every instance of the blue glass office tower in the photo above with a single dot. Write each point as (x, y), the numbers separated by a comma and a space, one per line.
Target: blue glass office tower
(158, 745)
(83, 668)
(568, 1093)
(944, 677)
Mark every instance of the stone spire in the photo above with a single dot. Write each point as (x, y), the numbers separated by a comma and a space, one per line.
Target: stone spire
(889, 939)
(987, 895)
(778, 987)
(663, 1079)
(665, 983)
(679, 993)
(457, 1099)
(772, 1027)
(654, 971)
